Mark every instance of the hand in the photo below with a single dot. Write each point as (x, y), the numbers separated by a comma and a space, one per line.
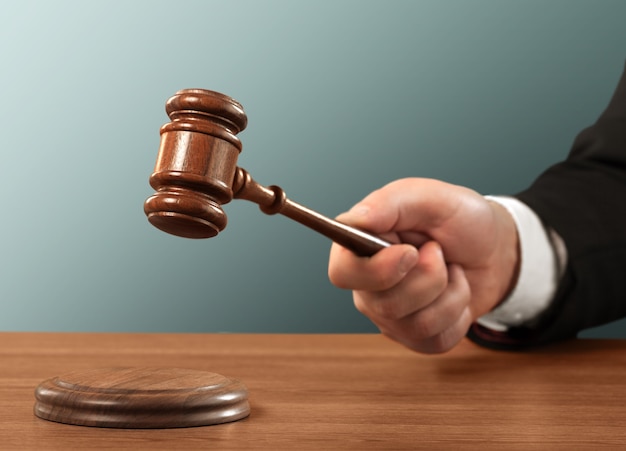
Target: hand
(457, 258)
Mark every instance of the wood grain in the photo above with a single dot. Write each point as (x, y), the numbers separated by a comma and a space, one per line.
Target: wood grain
(141, 397)
(318, 392)
(196, 172)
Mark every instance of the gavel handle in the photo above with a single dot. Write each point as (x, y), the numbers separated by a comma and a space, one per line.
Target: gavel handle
(272, 200)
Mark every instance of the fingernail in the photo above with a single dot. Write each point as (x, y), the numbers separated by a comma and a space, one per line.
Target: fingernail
(408, 260)
(439, 250)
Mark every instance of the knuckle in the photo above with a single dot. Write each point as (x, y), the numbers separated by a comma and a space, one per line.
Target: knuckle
(361, 306)
(439, 281)
(424, 325)
(381, 281)
(337, 278)
(380, 307)
(390, 309)
(441, 343)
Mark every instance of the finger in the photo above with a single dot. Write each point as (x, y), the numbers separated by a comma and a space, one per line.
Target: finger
(379, 272)
(449, 338)
(438, 344)
(441, 314)
(442, 324)
(408, 204)
(421, 286)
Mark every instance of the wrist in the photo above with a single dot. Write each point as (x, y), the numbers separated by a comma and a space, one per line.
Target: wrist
(542, 257)
(508, 252)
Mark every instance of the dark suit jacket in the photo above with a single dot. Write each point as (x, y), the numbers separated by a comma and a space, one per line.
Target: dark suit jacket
(584, 199)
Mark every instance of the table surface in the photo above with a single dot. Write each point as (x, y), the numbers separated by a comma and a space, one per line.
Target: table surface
(333, 392)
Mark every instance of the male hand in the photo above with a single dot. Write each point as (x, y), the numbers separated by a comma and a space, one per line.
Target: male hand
(457, 258)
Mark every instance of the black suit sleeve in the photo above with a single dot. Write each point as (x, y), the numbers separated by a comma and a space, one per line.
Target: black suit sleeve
(584, 200)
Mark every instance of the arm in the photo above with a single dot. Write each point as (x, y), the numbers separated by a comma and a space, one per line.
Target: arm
(467, 256)
(584, 200)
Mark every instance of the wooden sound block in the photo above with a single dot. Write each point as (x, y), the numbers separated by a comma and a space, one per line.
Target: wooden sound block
(141, 398)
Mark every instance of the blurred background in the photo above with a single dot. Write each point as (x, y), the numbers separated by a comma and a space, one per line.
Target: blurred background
(342, 97)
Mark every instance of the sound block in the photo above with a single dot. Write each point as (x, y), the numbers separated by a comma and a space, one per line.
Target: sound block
(141, 398)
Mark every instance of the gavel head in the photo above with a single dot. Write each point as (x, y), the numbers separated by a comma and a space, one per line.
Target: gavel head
(196, 164)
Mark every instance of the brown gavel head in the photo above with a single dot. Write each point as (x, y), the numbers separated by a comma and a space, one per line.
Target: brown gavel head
(196, 164)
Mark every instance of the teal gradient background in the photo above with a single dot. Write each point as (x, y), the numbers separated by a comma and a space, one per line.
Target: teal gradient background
(342, 97)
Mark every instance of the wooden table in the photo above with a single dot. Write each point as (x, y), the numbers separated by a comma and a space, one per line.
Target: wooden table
(332, 392)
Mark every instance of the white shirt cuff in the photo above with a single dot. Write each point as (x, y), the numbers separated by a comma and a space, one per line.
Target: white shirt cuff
(543, 257)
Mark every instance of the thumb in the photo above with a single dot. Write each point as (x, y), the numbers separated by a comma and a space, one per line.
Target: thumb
(414, 204)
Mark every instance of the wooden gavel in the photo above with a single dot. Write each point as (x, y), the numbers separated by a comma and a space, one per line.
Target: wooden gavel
(196, 172)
